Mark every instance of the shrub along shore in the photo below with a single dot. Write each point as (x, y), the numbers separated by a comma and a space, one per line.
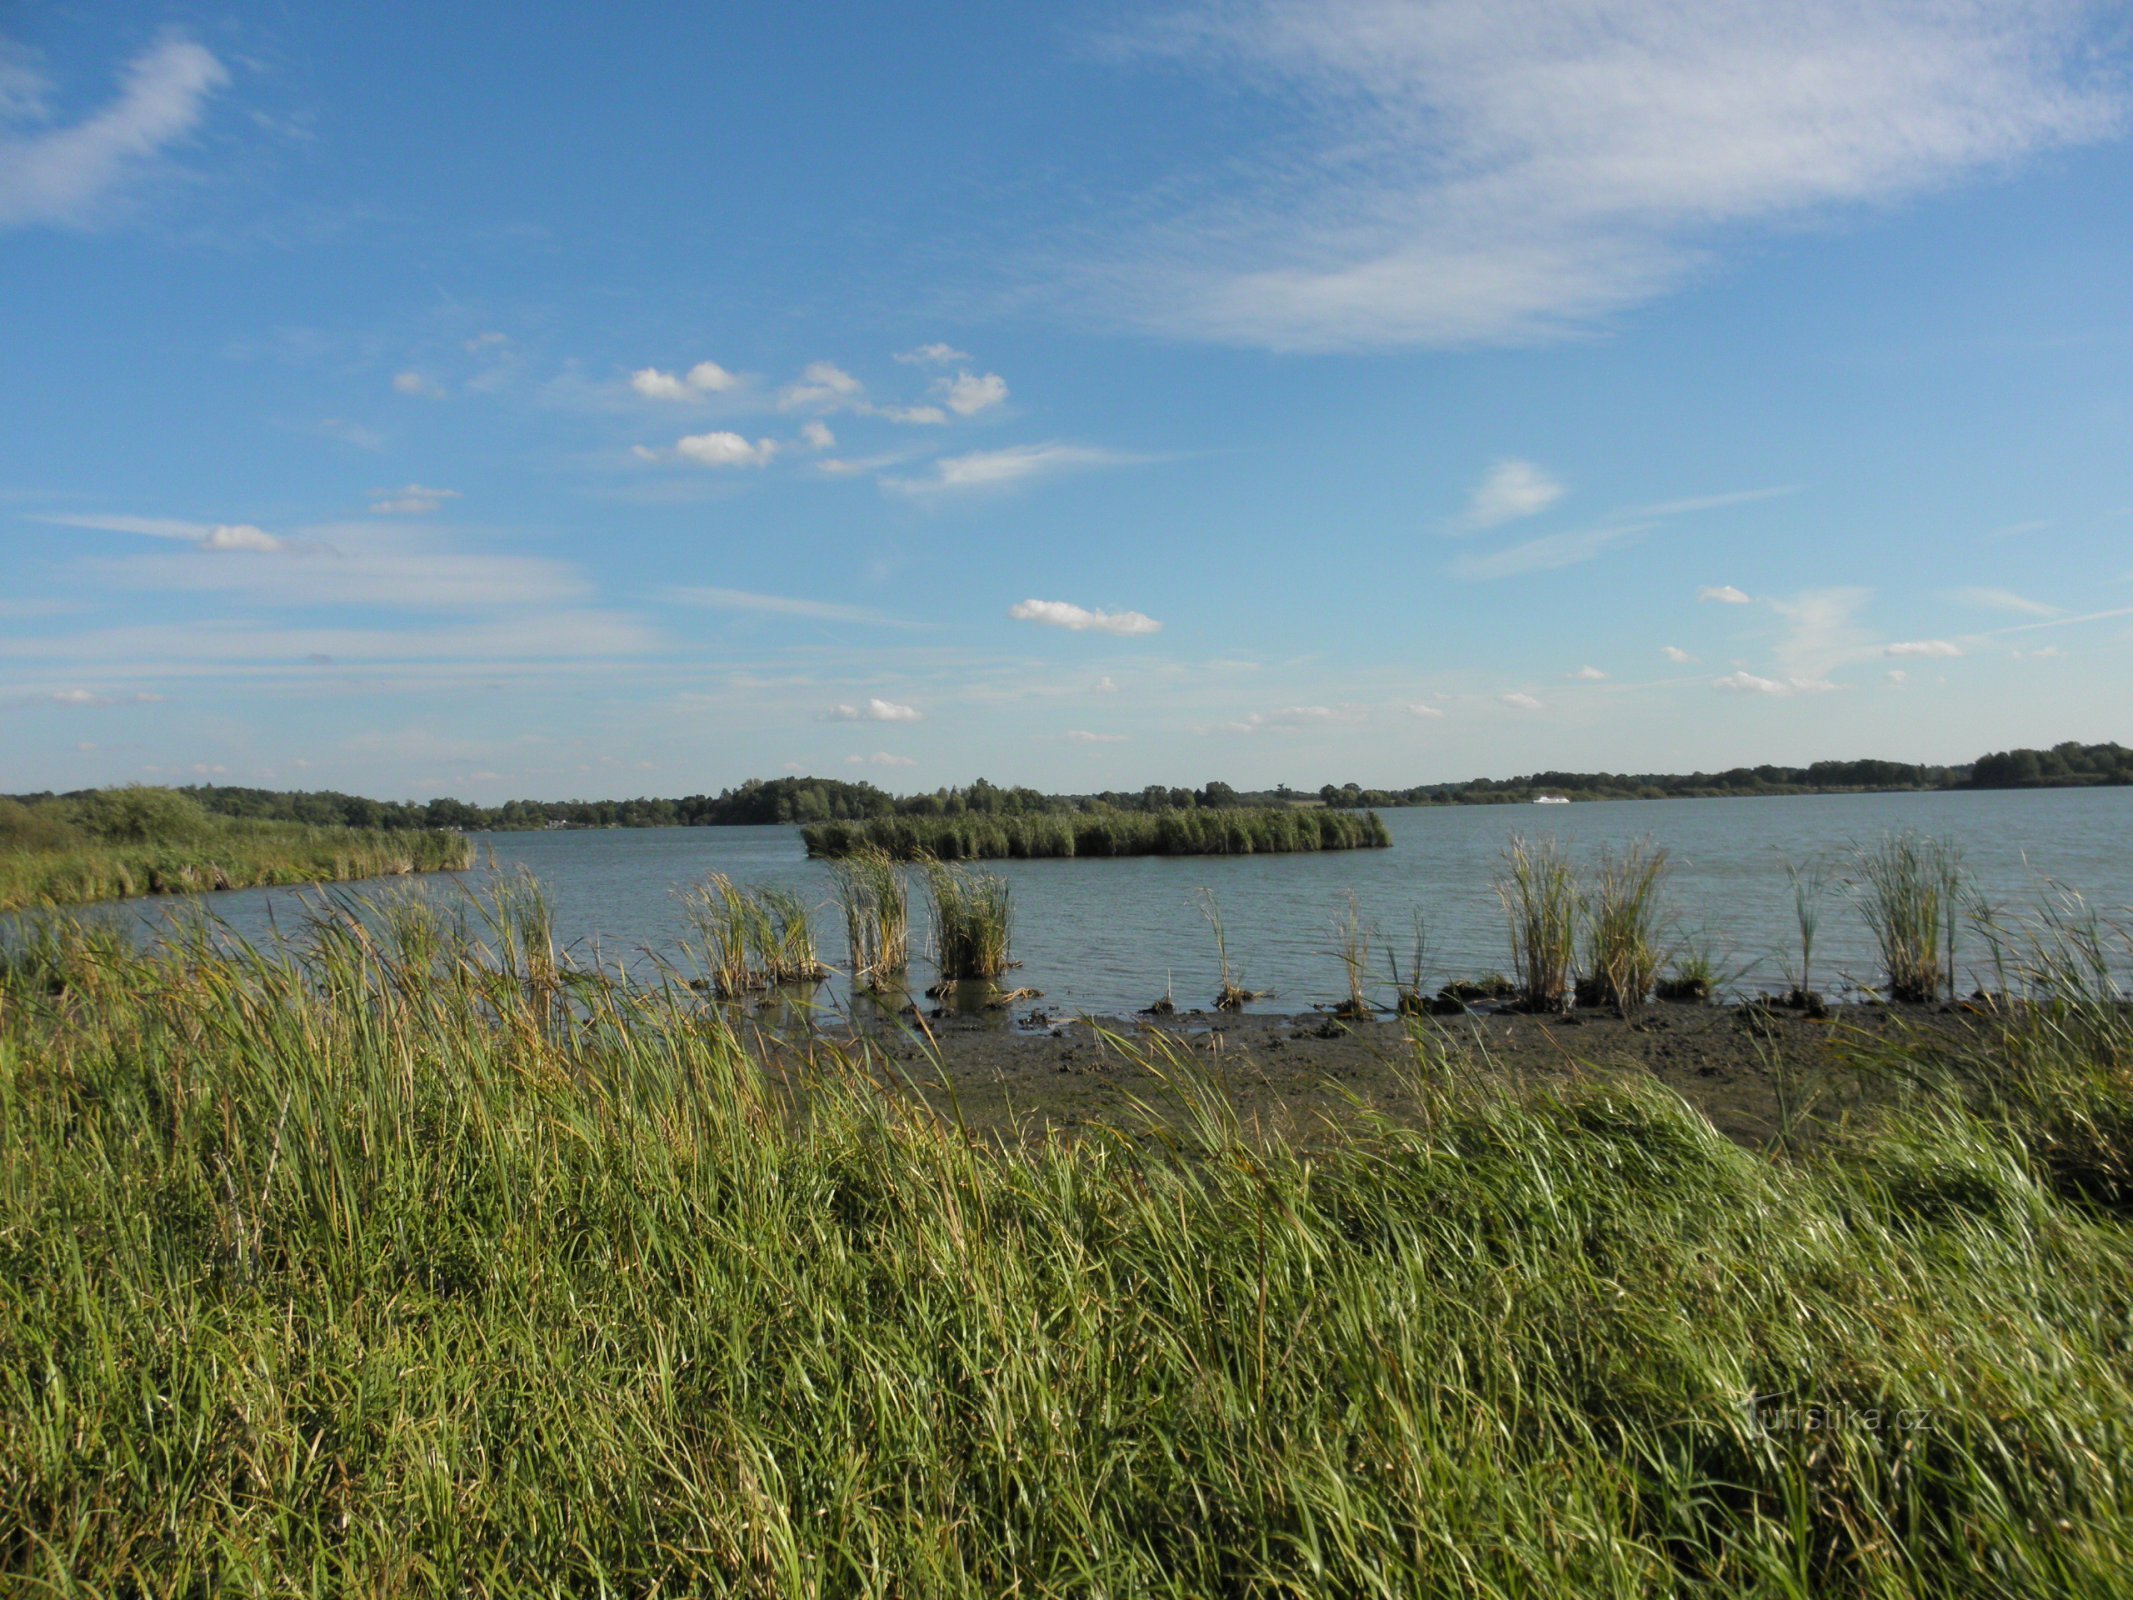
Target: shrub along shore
(412, 1257)
(1223, 831)
(116, 843)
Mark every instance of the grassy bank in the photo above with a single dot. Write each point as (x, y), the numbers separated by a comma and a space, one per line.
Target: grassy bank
(400, 1266)
(1227, 831)
(116, 843)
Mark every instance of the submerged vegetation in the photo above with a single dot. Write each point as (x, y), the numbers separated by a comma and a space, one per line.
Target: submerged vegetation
(1236, 830)
(111, 843)
(411, 1258)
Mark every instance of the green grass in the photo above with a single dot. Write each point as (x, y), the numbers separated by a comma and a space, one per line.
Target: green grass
(1623, 942)
(120, 842)
(1239, 830)
(412, 1260)
(973, 922)
(1913, 897)
(1539, 892)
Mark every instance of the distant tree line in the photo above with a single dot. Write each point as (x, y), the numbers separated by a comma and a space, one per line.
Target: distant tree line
(805, 800)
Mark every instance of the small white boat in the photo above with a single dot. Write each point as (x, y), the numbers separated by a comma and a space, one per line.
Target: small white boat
(1551, 799)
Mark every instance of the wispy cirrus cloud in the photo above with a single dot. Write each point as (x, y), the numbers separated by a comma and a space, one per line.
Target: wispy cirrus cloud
(982, 470)
(212, 536)
(1505, 171)
(2004, 600)
(780, 605)
(74, 176)
(1923, 647)
(1723, 594)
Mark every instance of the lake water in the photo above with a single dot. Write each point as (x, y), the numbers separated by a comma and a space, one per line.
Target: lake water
(1106, 935)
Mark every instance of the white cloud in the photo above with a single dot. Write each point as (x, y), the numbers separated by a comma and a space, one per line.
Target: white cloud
(1519, 700)
(1749, 683)
(1922, 647)
(815, 434)
(1514, 170)
(1295, 719)
(821, 386)
(1083, 736)
(880, 758)
(911, 416)
(1724, 595)
(779, 605)
(1105, 685)
(1821, 634)
(721, 449)
(1077, 619)
(1550, 553)
(91, 700)
(1419, 709)
(1898, 677)
(1588, 675)
(1677, 655)
(2006, 600)
(71, 175)
(213, 536)
(998, 469)
(239, 536)
(933, 355)
(1511, 489)
(873, 711)
(967, 395)
(415, 383)
(706, 377)
(410, 500)
(2050, 652)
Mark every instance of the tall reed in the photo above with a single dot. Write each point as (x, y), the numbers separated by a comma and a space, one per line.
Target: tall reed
(1353, 937)
(786, 927)
(1913, 895)
(733, 930)
(1232, 830)
(1232, 995)
(1811, 880)
(973, 922)
(1409, 998)
(877, 915)
(1623, 950)
(1539, 892)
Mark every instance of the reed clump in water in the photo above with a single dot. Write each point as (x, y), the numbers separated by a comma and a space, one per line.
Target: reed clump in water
(1539, 893)
(751, 938)
(973, 922)
(1913, 898)
(1232, 995)
(877, 915)
(1220, 830)
(1353, 936)
(332, 1269)
(1410, 999)
(1623, 942)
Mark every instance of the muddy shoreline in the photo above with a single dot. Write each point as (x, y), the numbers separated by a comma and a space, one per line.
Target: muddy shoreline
(1749, 1068)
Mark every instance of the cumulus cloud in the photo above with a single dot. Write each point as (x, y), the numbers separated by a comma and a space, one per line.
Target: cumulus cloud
(1519, 700)
(932, 355)
(1083, 736)
(1294, 719)
(213, 536)
(880, 758)
(706, 377)
(1000, 469)
(1922, 647)
(416, 384)
(716, 449)
(911, 416)
(1509, 171)
(1078, 619)
(238, 536)
(1588, 675)
(967, 395)
(1108, 685)
(1511, 489)
(1677, 655)
(1749, 683)
(873, 711)
(815, 434)
(410, 500)
(72, 175)
(822, 386)
(1898, 677)
(1420, 709)
(1723, 595)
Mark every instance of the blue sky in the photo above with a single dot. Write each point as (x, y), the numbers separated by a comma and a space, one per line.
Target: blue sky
(600, 401)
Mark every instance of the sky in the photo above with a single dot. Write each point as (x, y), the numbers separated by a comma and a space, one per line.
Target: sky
(563, 401)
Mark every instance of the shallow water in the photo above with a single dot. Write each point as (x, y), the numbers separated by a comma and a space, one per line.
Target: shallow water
(1106, 936)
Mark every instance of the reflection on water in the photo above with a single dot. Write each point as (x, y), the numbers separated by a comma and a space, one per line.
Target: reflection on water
(1110, 935)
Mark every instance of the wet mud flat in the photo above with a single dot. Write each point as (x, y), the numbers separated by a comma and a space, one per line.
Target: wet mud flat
(1752, 1070)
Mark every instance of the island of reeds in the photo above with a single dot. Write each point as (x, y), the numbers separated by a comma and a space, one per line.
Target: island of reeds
(412, 1257)
(1212, 831)
(106, 844)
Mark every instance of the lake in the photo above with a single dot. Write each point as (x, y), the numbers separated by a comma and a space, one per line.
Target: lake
(1107, 935)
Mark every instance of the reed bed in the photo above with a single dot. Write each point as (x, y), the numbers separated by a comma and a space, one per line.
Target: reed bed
(973, 922)
(1539, 892)
(327, 1270)
(877, 915)
(1913, 898)
(239, 856)
(1217, 831)
(751, 938)
(1624, 945)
